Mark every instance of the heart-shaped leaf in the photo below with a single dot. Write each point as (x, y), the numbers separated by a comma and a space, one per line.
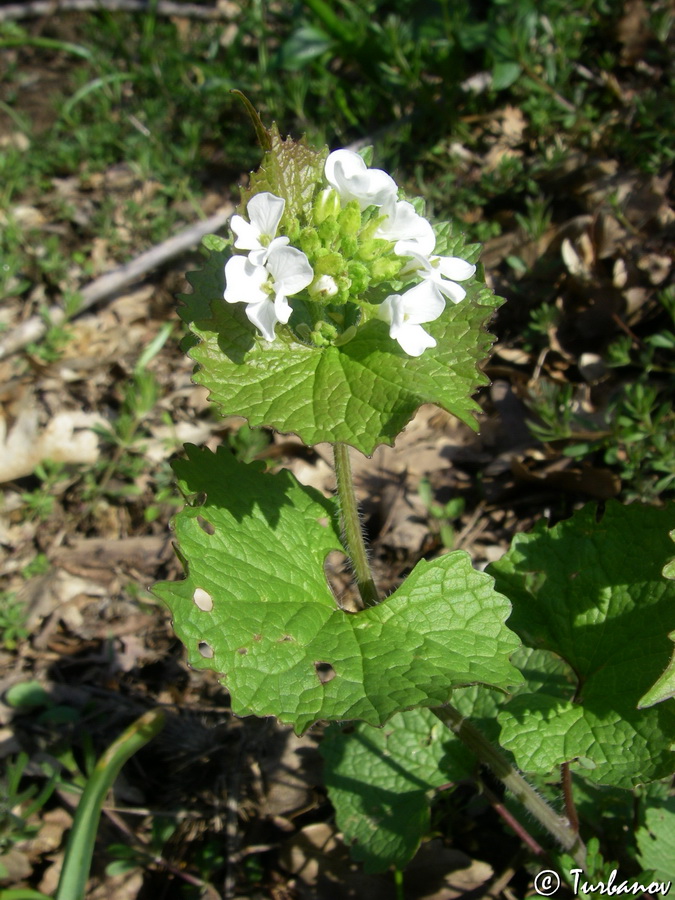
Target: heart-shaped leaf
(592, 593)
(255, 606)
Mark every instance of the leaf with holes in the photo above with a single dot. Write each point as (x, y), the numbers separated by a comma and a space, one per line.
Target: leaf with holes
(362, 392)
(592, 593)
(255, 606)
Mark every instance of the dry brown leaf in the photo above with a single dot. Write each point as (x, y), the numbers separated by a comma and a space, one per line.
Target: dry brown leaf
(67, 438)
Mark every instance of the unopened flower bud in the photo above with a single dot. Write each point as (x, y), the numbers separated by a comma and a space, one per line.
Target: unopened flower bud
(360, 277)
(349, 246)
(324, 334)
(371, 249)
(329, 263)
(328, 230)
(350, 219)
(326, 205)
(323, 287)
(308, 241)
(385, 268)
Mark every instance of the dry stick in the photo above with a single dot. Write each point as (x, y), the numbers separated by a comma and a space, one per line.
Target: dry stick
(162, 8)
(112, 282)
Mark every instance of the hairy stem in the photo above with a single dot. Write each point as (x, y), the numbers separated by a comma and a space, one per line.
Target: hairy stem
(351, 526)
(568, 839)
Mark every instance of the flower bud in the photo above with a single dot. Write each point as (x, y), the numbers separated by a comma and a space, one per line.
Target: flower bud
(385, 268)
(349, 219)
(360, 277)
(328, 230)
(349, 246)
(324, 334)
(323, 287)
(370, 249)
(329, 263)
(326, 205)
(308, 241)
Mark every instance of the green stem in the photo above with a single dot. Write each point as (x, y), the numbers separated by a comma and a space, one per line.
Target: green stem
(351, 526)
(80, 847)
(568, 839)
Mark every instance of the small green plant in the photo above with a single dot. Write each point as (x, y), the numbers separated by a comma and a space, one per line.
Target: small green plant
(80, 847)
(635, 434)
(13, 615)
(18, 805)
(442, 515)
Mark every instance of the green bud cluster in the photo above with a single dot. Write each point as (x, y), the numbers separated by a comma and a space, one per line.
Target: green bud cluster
(348, 261)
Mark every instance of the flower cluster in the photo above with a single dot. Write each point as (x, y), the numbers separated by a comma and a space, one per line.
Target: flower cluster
(361, 236)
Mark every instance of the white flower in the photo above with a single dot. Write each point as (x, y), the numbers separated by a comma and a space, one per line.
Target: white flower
(265, 288)
(265, 211)
(353, 180)
(324, 287)
(406, 313)
(437, 270)
(404, 225)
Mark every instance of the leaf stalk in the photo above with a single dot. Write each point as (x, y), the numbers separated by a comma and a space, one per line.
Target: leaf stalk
(352, 534)
(556, 826)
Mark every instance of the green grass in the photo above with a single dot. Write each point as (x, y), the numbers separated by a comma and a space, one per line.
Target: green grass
(151, 96)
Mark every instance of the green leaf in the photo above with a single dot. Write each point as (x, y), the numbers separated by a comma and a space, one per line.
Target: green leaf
(362, 392)
(256, 607)
(590, 595)
(290, 169)
(504, 74)
(656, 840)
(664, 689)
(380, 781)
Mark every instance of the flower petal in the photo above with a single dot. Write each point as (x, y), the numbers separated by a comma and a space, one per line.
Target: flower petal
(422, 303)
(353, 180)
(390, 310)
(282, 308)
(244, 281)
(407, 227)
(452, 291)
(265, 211)
(264, 317)
(290, 269)
(413, 339)
(455, 268)
(259, 257)
(248, 236)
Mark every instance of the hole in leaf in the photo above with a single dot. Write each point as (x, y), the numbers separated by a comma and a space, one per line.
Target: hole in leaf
(205, 525)
(205, 649)
(242, 651)
(203, 599)
(198, 499)
(325, 672)
(285, 639)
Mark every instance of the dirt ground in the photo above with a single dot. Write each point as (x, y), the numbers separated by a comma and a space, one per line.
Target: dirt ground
(219, 805)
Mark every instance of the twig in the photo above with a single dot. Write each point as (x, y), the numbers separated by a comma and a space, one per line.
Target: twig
(112, 282)
(161, 8)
